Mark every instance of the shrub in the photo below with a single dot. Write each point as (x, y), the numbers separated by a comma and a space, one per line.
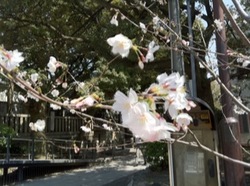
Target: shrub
(156, 155)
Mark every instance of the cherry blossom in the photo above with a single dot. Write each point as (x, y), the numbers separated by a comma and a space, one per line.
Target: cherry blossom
(72, 111)
(183, 120)
(143, 27)
(161, 2)
(55, 93)
(140, 116)
(173, 105)
(82, 103)
(185, 43)
(170, 107)
(87, 102)
(139, 113)
(124, 103)
(39, 125)
(10, 59)
(246, 63)
(76, 148)
(55, 107)
(237, 109)
(168, 85)
(141, 64)
(86, 129)
(22, 74)
(29, 95)
(156, 20)
(219, 24)
(34, 77)
(120, 44)
(64, 85)
(242, 59)
(162, 131)
(114, 20)
(106, 127)
(22, 98)
(140, 120)
(156, 89)
(52, 65)
(146, 124)
(178, 99)
(32, 127)
(175, 99)
(80, 86)
(152, 48)
(173, 82)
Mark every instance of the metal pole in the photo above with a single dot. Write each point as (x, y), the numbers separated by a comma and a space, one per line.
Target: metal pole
(177, 63)
(53, 156)
(191, 44)
(33, 147)
(234, 173)
(215, 134)
(8, 149)
(176, 55)
(171, 165)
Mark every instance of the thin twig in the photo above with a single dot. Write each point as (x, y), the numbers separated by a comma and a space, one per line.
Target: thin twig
(197, 143)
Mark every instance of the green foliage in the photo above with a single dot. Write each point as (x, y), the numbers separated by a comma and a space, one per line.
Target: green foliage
(15, 148)
(5, 131)
(156, 155)
(75, 32)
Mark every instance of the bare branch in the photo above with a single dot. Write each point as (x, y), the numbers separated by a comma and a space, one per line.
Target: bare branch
(197, 143)
(220, 83)
(234, 25)
(196, 55)
(241, 11)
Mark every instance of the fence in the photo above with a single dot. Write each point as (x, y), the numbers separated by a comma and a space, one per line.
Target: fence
(54, 124)
(51, 149)
(28, 154)
(24, 158)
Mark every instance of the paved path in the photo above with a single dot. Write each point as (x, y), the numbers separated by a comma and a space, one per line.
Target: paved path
(92, 176)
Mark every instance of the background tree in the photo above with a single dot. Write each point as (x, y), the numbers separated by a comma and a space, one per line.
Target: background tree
(75, 32)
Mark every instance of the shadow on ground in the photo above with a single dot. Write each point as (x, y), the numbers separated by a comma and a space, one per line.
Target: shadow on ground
(143, 178)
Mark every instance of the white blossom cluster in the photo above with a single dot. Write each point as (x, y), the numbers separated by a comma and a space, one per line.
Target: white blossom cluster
(38, 126)
(140, 116)
(86, 129)
(10, 59)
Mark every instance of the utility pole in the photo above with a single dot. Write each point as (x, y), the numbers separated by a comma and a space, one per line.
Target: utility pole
(177, 65)
(191, 44)
(233, 173)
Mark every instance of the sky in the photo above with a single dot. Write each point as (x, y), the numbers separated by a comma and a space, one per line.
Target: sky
(228, 2)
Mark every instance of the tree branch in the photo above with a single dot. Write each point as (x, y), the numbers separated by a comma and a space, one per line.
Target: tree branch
(197, 143)
(196, 55)
(241, 11)
(234, 24)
